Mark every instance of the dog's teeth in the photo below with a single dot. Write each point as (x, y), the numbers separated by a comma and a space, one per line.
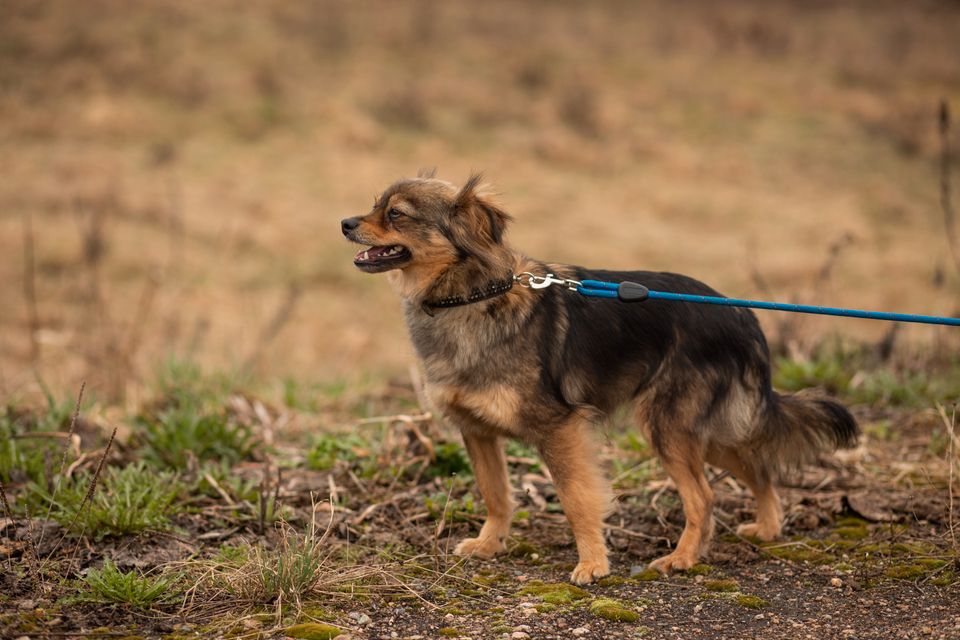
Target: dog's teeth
(366, 255)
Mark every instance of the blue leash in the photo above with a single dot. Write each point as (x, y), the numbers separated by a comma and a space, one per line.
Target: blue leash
(633, 292)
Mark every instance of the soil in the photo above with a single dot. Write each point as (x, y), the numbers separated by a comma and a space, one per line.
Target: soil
(866, 553)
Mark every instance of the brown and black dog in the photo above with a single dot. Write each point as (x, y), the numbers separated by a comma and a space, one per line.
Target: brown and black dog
(544, 366)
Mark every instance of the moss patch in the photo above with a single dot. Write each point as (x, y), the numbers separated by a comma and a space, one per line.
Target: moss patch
(610, 609)
(852, 533)
(524, 549)
(910, 571)
(555, 593)
(648, 575)
(751, 602)
(944, 579)
(611, 581)
(313, 631)
(700, 570)
(449, 632)
(722, 586)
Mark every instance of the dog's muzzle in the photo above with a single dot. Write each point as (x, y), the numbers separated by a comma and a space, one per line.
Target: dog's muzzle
(349, 225)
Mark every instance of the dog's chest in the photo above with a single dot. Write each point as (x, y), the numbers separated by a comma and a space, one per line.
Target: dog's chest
(493, 409)
(476, 375)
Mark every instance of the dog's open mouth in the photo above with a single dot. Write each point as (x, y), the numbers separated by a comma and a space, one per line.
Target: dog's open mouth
(381, 258)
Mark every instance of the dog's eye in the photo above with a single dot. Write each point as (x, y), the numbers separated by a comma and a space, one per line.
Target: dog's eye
(394, 214)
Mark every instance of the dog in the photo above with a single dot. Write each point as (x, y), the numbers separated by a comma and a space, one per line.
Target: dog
(503, 360)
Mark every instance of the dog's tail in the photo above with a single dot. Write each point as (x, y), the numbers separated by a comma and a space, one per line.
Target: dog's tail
(796, 427)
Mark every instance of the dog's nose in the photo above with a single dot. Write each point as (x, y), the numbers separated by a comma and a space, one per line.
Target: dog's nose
(349, 224)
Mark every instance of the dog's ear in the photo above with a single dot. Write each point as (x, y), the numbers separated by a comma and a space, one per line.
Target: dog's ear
(478, 212)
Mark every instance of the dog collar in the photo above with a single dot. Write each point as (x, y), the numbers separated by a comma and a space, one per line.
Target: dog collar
(492, 290)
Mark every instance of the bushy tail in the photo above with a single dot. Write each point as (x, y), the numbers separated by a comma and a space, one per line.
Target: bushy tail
(796, 427)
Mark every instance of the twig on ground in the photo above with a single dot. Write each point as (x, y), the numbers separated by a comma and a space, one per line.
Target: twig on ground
(399, 417)
(953, 452)
(637, 534)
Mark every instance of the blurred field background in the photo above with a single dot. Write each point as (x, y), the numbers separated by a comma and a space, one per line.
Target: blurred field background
(174, 172)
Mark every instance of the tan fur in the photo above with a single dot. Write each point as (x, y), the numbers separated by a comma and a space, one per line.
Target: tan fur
(490, 468)
(498, 405)
(570, 454)
(769, 513)
(683, 461)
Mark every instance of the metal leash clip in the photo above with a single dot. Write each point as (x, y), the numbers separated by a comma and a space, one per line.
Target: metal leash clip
(533, 281)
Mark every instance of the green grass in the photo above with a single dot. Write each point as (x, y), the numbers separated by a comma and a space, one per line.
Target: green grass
(32, 458)
(828, 373)
(185, 433)
(854, 375)
(182, 382)
(129, 500)
(327, 449)
(112, 586)
(288, 572)
(451, 509)
(450, 460)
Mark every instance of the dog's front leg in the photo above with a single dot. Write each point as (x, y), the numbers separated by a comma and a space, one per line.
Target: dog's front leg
(570, 454)
(490, 468)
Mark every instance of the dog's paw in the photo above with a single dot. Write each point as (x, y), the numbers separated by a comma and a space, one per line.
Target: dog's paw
(479, 547)
(673, 562)
(587, 571)
(758, 531)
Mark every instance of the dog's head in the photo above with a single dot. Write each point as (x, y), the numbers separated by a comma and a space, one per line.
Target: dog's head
(426, 224)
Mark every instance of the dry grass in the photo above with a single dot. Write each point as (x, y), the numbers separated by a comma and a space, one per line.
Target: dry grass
(184, 165)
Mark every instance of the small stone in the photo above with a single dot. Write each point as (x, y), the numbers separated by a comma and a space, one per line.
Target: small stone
(580, 631)
(519, 635)
(449, 616)
(534, 556)
(926, 630)
(836, 582)
(522, 627)
(759, 616)
(528, 605)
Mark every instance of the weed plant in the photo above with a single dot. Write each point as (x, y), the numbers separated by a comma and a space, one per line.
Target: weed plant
(109, 585)
(128, 500)
(32, 458)
(182, 435)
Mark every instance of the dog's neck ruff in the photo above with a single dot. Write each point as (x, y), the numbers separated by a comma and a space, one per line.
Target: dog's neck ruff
(492, 290)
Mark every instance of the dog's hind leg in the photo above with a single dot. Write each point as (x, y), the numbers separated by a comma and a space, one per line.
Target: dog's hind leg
(490, 468)
(682, 458)
(769, 513)
(570, 454)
